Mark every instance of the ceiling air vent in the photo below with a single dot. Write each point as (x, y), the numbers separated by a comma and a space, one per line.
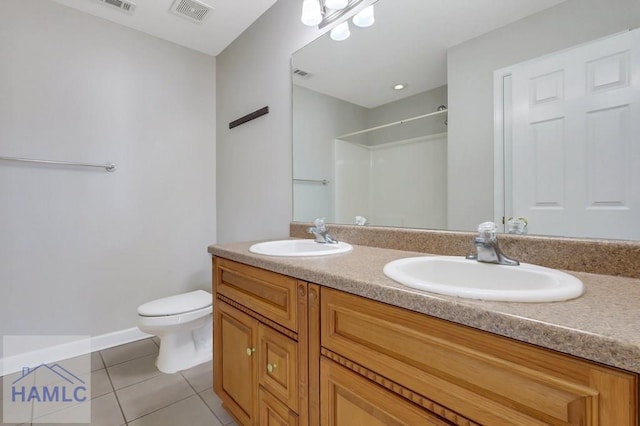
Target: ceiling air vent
(123, 5)
(302, 73)
(191, 9)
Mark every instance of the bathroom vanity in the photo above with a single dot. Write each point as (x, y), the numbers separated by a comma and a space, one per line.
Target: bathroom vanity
(332, 341)
(261, 343)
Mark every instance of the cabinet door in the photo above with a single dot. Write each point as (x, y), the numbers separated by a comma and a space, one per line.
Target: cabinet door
(489, 379)
(278, 365)
(273, 412)
(235, 373)
(348, 399)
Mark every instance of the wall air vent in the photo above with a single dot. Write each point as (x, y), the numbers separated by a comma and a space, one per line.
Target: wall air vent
(192, 10)
(123, 5)
(301, 73)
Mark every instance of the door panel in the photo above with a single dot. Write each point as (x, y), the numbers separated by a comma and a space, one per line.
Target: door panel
(575, 155)
(235, 377)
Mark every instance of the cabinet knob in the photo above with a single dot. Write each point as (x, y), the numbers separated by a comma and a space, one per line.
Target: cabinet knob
(271, 367)
(250, 351)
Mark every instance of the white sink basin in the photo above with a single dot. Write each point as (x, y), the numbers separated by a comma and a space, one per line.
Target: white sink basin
(457, 276)
(299, 248)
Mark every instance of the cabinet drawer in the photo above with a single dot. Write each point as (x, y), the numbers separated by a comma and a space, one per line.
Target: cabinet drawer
(267, 293)
(278, 365)
(349, 399)
(273, 412)
(487, 378)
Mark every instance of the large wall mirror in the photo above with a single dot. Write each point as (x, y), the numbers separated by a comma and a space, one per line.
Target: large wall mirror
(517, 109)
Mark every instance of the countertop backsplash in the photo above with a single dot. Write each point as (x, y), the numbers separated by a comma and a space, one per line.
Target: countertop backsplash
(606, 257)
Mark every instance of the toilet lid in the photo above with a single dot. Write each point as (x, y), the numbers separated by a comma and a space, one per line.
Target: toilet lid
(178, 304)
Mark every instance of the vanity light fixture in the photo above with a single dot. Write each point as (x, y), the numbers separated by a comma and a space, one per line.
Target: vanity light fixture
(364, 18)
(341, 31)
(311, 12)
(325, 12)
(336, 4)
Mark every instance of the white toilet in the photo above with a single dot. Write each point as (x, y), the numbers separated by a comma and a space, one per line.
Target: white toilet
(184, 325)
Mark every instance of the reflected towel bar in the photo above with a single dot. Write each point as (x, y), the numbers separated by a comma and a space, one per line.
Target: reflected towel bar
(110, 167)
(322, 181)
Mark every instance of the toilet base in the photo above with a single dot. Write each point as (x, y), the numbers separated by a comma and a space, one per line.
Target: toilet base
(181, 351)
(169, 366)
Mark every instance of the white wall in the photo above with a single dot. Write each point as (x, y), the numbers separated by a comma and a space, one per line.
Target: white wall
(254, 194)
(82, 248)
(470, 79)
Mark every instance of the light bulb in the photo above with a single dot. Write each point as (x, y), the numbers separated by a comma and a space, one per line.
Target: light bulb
(311, 14)
(341, 31)
(364, 18)
(336, 4)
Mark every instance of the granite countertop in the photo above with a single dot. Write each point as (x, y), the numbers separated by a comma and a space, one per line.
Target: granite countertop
(603, 325)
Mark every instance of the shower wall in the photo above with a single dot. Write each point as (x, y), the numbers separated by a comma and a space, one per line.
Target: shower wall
(402, 183)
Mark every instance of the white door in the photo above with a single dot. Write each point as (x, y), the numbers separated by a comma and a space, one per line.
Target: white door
(575, 140)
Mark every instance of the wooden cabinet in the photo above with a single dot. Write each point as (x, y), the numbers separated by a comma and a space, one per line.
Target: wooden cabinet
(350, 399)
(235, 360)
(273, 412)
(278, 360)
(468, 376)
(261, 344)
(287, 352)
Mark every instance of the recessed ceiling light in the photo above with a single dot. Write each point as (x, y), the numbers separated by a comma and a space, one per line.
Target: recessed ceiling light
(399, 86)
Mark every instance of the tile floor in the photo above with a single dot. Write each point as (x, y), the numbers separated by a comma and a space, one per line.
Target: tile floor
(127, 389)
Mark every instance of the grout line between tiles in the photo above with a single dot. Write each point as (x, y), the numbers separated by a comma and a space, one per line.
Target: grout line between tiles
(132, 359)
(136, 383)
(162, 408)
(207, 405)
(115, 394)
(205, 402)
(202, 399)
(136, 357)
(33, 409)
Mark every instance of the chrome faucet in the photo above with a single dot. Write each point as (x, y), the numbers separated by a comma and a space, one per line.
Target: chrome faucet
(487, 246)
(321, 232)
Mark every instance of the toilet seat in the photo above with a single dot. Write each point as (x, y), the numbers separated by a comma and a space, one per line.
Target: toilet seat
(180, 304)
(175, 319)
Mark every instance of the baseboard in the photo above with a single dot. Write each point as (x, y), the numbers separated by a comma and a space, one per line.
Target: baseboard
(109, 340)
(82, 346)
